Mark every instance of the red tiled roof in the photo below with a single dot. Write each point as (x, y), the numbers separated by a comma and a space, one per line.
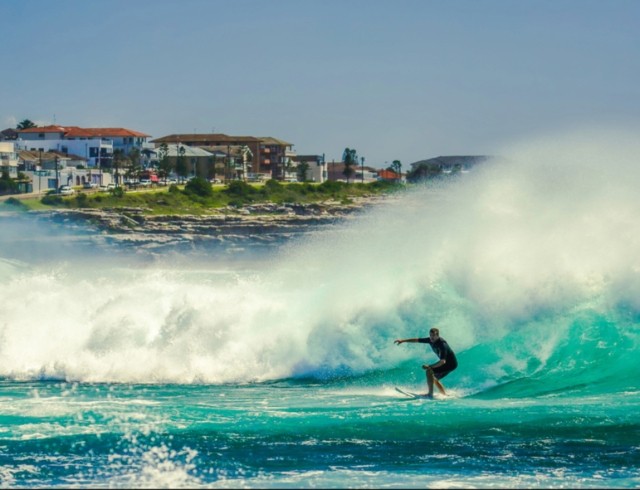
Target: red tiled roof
(76, 132)
(104, 132)
(388, 175)
(43, 129)
(205, 139)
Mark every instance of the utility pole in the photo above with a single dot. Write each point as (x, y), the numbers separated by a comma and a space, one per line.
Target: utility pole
(99, 165)
(57, 176)
(40, 171)
(362, 167)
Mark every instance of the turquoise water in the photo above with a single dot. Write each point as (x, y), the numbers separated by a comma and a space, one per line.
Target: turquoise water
(306, 434)
(164, 370)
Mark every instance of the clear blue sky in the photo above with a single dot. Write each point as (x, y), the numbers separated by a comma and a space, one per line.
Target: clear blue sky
(394, 79)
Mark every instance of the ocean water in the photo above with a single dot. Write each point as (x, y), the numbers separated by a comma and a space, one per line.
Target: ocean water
(279, 370)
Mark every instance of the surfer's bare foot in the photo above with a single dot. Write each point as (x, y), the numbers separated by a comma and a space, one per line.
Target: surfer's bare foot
(428, 396)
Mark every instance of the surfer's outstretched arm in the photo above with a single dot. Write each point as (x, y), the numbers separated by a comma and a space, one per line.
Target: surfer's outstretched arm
(402, 341)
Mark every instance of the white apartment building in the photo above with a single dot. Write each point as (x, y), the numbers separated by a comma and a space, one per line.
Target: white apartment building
(8, 158)
(95, 144)
(316, 167)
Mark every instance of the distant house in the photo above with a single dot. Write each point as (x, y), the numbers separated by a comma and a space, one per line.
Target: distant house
(443, 165)
(8, 134)
(95, 144)
(269, 155)
(389, 175)
(335, 172)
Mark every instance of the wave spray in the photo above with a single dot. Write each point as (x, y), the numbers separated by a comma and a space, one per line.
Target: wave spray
(529, 265)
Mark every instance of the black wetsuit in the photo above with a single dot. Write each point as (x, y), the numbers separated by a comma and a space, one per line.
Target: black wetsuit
(443, 351)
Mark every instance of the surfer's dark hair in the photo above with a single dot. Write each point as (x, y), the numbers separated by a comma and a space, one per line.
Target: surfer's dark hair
(435, 330)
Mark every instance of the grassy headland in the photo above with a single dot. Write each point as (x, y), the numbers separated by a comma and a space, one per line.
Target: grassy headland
(199, 197)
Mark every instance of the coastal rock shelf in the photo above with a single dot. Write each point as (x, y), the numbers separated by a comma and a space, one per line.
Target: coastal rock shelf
(231, 229)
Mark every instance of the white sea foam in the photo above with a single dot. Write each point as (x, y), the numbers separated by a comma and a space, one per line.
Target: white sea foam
(551, 224)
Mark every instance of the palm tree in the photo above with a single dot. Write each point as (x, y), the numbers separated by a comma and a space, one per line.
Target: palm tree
(118, 157)
(181, 164)
(247, 156)
(350, 158)
(164, 163)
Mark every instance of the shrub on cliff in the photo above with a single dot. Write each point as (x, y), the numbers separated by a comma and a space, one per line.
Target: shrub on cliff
(82, 200)
(237, 188)
(117, 192)
(52, 200)
(332, 186)
(240, 193)
(15, 204)
(7, 184)
(273, 186)
(199, 187)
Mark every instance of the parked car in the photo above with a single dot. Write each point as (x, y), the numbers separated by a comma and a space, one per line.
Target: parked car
(65, 190)
(145, 182)
(89, 185)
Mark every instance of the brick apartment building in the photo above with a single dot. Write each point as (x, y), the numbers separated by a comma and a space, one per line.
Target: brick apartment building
(269, 154)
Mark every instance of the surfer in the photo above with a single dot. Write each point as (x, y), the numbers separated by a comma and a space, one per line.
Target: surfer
(447, 361)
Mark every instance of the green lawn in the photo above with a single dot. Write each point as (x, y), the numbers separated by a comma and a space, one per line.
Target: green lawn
(200, 197)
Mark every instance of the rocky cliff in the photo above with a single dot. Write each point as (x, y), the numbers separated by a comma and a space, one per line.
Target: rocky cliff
(255, 226)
